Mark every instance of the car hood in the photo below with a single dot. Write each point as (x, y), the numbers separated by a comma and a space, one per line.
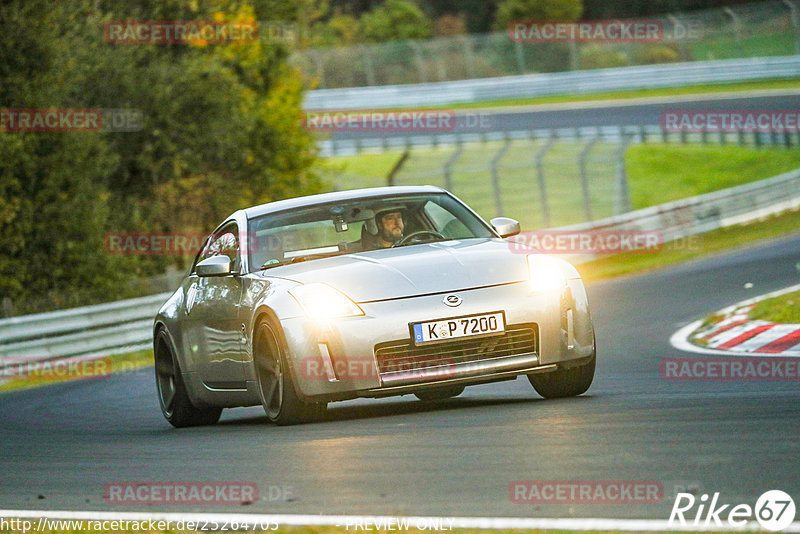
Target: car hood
(413, 270)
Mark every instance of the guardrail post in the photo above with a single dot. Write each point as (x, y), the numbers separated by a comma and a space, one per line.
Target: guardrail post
(622, 198)
(795, 17)
(498, 195)
(540, 177)
(448, 167)
(587, 201)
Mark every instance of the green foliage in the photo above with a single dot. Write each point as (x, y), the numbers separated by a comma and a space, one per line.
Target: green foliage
(509, 10)
(221, 131)
(395, 20)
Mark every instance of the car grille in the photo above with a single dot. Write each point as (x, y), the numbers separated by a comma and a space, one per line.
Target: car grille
(402, 356)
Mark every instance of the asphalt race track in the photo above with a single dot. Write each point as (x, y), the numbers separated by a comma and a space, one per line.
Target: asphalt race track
(595, 114)
(61, 444)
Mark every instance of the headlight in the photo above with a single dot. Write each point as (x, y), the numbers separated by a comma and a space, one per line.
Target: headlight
(321, 301)
(545, 273)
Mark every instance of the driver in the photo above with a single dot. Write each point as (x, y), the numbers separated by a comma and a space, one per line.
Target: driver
(390, 229)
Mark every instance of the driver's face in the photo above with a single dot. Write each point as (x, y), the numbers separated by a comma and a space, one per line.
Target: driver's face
(392, 227)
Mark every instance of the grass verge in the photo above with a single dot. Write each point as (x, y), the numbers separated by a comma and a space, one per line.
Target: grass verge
(782, 309)
(672, 253)
(57, 371)
(657, 173)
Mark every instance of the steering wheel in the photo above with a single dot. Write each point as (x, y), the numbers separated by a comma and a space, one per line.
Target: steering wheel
(413, 235)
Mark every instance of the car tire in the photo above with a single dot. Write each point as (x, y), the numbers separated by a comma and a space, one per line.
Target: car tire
(435, 394)
(176, 406)
(277, 390)
(565, 382)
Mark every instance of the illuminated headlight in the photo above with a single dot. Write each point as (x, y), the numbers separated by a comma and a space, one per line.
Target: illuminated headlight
(321, 301)
(545, 273)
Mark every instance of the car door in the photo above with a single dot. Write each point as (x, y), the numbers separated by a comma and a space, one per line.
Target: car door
(213, 316)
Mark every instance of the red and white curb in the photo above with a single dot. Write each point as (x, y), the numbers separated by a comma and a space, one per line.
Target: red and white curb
(736, 334)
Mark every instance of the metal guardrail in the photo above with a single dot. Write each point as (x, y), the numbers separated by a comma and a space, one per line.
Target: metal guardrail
(704, 213)
(559, 83)
(610, 134)
(127, 325)
(100, 330)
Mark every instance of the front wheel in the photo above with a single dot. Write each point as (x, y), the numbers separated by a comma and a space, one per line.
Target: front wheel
(279, 397)
(176, 406)
(565, 382)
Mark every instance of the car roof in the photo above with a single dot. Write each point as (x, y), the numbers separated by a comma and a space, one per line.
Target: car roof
(352, 194)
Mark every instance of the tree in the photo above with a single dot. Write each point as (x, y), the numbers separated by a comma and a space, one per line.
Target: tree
(510, 10)
(394, 21)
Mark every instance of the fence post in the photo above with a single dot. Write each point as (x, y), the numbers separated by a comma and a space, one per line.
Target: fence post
(420, 63)
(468, 57)
(397, 167)
(498, 195)
(574, 56)
(622, 197)
(448, 167)
(368, 65)
(795, 16)
(540, 177)
(320, 67)
(737, 23)
(587, 201)
(520, 57)
(681, 48)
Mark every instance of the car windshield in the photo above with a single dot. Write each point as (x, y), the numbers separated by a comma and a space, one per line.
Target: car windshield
(358, 225)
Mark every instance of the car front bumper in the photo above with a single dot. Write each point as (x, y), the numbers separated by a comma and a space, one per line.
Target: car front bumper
(336, 360)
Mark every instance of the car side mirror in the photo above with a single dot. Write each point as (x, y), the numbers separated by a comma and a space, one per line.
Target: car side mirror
(214, 266)
(505, 227)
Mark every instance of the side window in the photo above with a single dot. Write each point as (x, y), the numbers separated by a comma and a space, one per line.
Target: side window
(445, 222)
(225, 242)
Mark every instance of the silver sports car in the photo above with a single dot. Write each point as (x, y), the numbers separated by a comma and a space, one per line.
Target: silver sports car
(366, 293)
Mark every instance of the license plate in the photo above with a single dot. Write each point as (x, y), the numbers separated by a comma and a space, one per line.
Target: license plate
(458, 327)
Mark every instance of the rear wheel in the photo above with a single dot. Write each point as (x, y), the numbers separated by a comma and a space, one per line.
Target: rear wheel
(175, 404)
(279, 397)
(439, 393)
(565, 382)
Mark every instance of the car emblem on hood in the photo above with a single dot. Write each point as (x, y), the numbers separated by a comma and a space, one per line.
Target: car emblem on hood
(452, 300)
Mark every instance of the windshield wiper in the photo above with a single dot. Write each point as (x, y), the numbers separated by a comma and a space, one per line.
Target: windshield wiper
(298, 259)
